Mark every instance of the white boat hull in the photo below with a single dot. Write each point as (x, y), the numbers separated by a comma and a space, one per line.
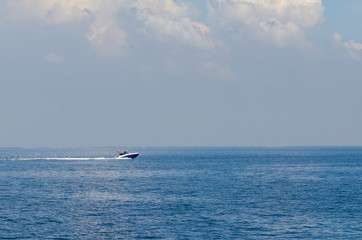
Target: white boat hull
(128, 156)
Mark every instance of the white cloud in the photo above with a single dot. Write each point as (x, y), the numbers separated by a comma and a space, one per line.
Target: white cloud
(354, 45)
(54, 58)
(282, 22)
(338, 39)
(103, 34)
(353, 48)
(107, 38)
(162, 7)
(166, 18)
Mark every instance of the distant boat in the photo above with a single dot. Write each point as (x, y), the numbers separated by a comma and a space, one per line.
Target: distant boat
(126, 155)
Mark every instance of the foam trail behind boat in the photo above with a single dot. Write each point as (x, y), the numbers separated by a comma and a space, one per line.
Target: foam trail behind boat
(58, 158)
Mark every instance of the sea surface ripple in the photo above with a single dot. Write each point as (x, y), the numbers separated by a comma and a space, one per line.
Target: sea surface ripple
(181, 193)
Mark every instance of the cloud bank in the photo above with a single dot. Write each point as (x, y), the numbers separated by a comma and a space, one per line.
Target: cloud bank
(161, 17)
(105, 22)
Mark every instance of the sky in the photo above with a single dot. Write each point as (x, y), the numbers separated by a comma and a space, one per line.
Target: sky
(87, 73)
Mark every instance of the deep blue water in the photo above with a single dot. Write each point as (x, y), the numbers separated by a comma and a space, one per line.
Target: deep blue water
(181, 193)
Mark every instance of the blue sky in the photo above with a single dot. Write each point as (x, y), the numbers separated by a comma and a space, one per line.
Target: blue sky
(343, 18)
(180, 73)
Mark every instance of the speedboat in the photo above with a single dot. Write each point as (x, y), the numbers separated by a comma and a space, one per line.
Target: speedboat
(126, 155)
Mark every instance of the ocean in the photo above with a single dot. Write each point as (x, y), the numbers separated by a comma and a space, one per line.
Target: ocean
(181, 193)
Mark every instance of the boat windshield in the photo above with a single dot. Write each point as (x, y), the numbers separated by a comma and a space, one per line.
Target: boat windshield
(123, 153)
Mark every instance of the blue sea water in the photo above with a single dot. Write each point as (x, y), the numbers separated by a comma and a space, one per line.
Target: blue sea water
(181, 193)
